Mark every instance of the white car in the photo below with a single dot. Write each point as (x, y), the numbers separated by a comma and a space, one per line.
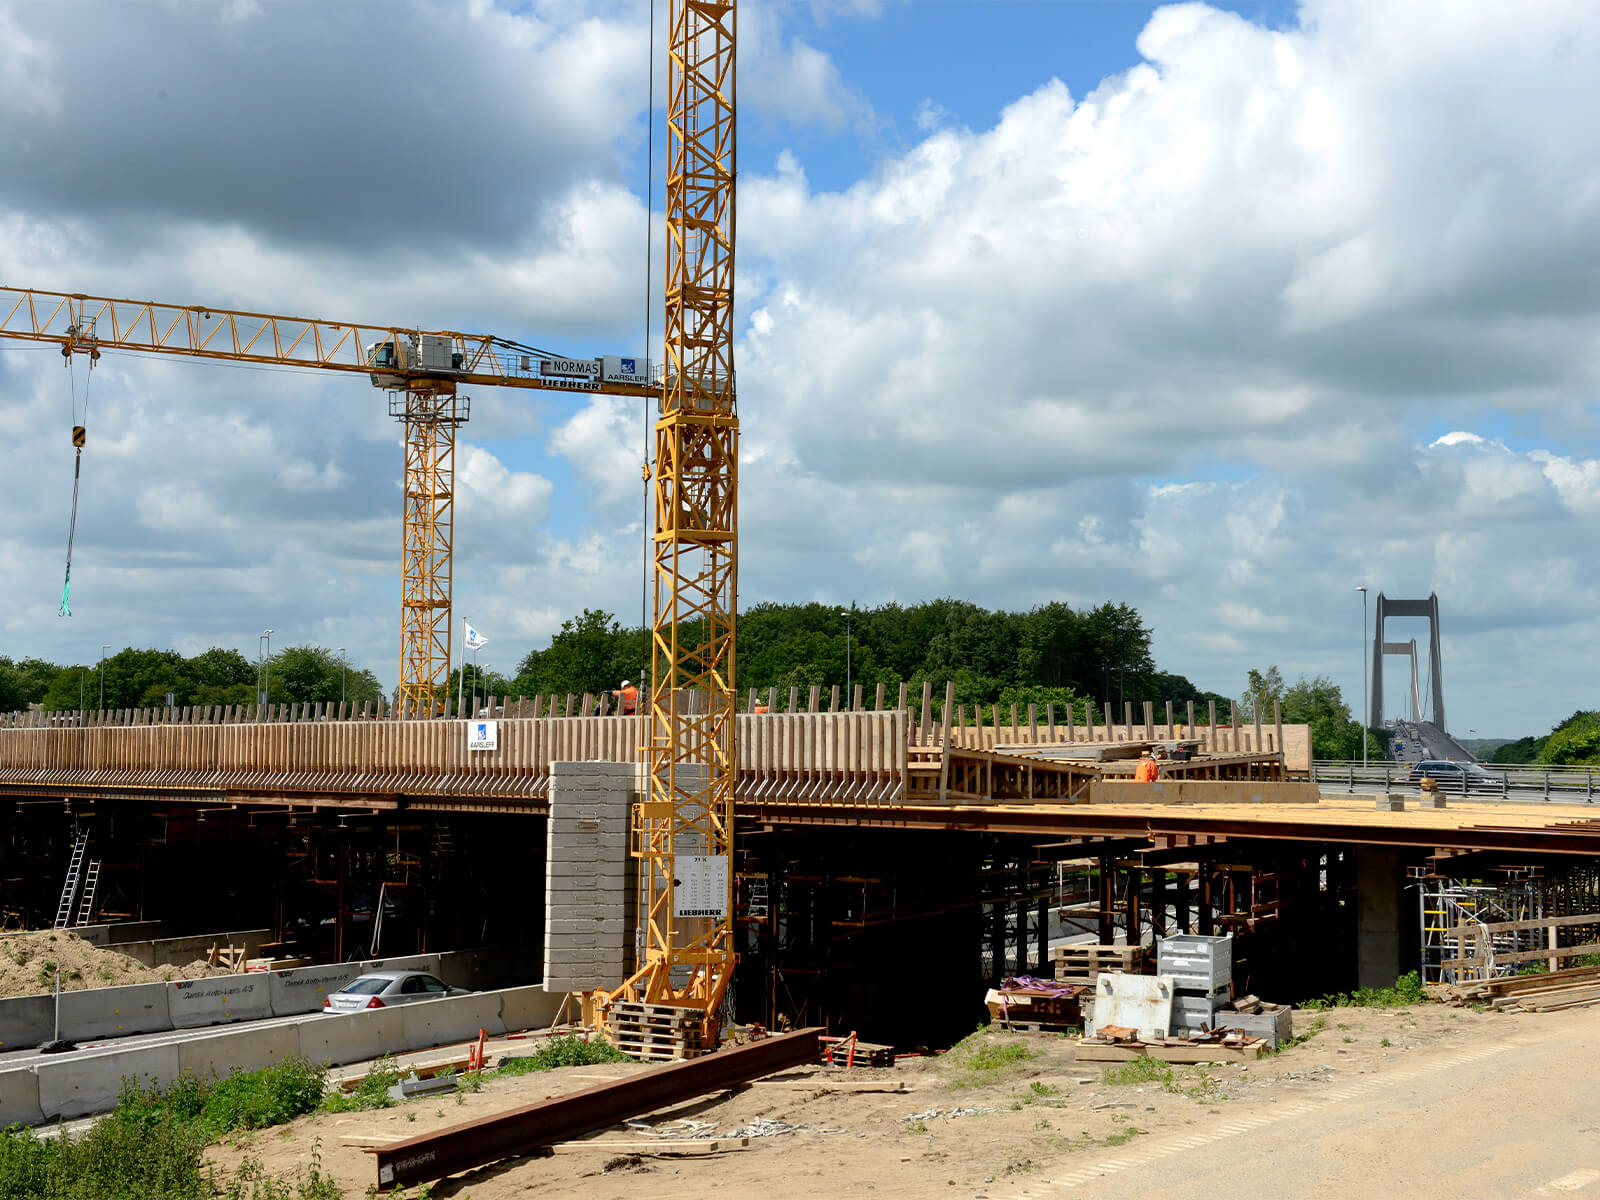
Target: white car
(381, 989)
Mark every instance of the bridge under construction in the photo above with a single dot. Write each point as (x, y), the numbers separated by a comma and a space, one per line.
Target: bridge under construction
(913, 838)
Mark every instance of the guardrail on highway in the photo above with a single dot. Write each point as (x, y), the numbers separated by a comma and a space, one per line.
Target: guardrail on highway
(1525, 781)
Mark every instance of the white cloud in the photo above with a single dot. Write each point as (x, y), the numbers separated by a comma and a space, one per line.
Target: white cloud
(1171, 342)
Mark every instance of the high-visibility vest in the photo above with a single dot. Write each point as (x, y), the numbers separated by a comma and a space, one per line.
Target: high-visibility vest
(630, 699)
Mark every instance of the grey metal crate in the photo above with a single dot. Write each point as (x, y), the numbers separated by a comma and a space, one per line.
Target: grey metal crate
(1275, 1027)
(1196, 962)
(1191, 1007)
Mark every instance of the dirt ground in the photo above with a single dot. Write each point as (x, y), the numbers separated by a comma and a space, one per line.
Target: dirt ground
(27, 965)
(958, 1127)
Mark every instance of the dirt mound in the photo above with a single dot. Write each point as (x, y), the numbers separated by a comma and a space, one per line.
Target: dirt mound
(28, 965)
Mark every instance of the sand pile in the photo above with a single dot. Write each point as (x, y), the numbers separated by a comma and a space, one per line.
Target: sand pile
(28, 963)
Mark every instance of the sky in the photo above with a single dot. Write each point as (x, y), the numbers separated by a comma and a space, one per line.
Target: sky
(1222, 311)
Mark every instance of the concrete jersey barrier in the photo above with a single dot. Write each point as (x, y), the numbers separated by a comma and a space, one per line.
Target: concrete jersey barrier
(302, 989)
(219, 999)
(83, 1085)
(79, 1087)
(108, 1012)
(26, 1021)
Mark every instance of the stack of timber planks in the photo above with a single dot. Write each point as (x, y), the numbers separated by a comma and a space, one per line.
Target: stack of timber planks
(1549, 991)
(656, 1032)
(1083, 964)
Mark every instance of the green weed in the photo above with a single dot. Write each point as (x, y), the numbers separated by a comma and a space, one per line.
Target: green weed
(1143, 1069)
(371, 1092)
(1407, 990)
(564, 1052)
(981, 1058)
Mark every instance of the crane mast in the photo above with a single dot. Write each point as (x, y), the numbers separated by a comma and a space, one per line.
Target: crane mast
(683, 828)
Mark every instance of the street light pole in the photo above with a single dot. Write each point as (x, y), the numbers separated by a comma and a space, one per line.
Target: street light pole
(846, 616)
(104, 647)
(1365, 716)
(265, 674)
(341, 674)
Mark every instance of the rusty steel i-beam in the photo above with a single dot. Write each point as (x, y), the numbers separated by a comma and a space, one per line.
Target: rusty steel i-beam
(506, 1135)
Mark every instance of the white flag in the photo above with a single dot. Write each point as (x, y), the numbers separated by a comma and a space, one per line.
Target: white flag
(475, 640)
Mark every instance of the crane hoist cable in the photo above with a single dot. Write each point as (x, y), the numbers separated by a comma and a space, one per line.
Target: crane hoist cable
(80, 437)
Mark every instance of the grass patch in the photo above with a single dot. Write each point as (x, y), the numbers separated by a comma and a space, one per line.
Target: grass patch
(983, 1057)
(1143, 1069)
(1407, 990)
(564, 1052)
(1193, 1082)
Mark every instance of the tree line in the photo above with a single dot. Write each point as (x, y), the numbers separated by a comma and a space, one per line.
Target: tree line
(133, 678)
(1050, 654)
(1574, 742)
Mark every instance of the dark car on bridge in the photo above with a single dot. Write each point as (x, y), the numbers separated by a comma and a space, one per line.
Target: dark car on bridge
(1459, 777)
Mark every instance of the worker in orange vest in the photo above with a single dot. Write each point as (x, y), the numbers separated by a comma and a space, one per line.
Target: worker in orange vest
(761, 707)
(627, 699)
(1147, 769)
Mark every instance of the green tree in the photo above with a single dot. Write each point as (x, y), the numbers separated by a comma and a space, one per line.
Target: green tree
(312, 675)
(25, 682)
(12, 696)
(69, 685)
(591, 653)
(1576, 741)
(1265, 686)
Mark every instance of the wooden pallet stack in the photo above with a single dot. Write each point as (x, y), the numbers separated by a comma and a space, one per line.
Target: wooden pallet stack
(1083, 964)
(874, 1054)
(1548, 991)
(1036, 1006)
(656, 1032)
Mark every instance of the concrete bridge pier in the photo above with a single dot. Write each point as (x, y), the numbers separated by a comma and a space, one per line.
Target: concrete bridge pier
(1387, 939)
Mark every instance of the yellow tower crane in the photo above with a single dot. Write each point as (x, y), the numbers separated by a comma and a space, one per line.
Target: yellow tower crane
(683, 829)
(421, 370)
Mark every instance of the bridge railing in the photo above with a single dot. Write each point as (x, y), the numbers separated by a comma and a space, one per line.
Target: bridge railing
(856, 758)
(1523, 781)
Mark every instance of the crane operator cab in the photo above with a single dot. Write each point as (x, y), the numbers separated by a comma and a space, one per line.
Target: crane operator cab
(416, 355)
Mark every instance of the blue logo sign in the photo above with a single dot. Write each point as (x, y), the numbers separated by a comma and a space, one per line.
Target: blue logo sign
(630, 366)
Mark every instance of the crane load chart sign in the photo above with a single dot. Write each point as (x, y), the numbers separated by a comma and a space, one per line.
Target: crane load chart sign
(700, 886)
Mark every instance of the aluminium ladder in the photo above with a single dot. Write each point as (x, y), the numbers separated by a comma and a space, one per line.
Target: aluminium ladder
(91, 884)
(69, 890)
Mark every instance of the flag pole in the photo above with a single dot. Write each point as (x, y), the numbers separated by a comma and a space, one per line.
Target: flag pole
(461, 669)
